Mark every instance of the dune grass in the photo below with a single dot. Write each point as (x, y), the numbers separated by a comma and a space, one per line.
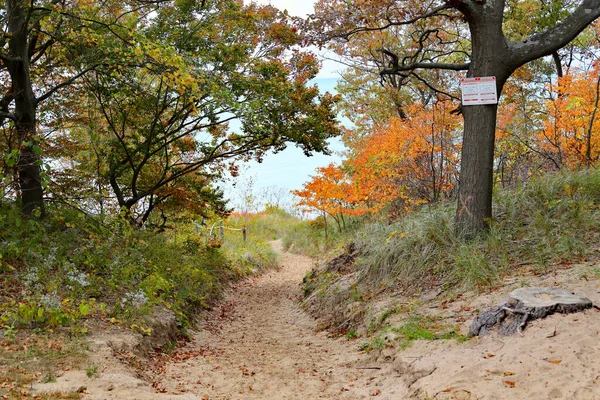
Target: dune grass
(549, 220)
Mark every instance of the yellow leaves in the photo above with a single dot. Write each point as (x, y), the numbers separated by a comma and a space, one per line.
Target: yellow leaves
(141, 330)
(391, 236)
(154, 53)
(394, 233)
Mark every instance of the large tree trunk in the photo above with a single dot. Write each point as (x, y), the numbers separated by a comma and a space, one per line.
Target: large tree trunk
(28, 167)
(476, 172)
(490, 52)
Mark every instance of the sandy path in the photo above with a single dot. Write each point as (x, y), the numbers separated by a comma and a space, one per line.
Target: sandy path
(258, 344)
(263, 346)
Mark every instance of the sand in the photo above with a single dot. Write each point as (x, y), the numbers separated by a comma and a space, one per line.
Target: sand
(259, 344)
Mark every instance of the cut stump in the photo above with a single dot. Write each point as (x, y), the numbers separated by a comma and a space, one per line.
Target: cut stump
(527, 304)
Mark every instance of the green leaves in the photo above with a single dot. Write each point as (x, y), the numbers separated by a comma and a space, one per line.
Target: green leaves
(158, 125)
(11, 158)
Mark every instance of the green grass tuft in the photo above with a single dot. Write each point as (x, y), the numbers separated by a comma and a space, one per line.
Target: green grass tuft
(552, 219)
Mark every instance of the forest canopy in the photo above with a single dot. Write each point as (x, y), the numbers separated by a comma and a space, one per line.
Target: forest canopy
(412, 142)
(130, 106)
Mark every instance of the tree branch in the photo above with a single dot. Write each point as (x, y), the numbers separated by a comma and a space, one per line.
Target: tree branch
(557, 63)
(64, 83)
(436, 11)
(4, 103)
(545, 43)
(396, 69)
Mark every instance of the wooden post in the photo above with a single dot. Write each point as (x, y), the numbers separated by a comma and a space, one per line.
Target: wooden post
(244, 233)
(221, 230)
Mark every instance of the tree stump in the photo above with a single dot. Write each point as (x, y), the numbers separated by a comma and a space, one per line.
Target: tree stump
(527, 304)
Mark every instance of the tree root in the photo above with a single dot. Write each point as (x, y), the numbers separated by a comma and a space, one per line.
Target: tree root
(524, 305)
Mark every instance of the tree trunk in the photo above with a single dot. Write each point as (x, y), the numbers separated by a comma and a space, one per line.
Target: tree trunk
(476, 172)
(490, 52)
(28, 167)
(524, 305)
(590, 130)
(493, 55)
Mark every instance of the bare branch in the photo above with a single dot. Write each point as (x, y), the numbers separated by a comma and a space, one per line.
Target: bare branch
(436, 90)
(395, 68)
(433, 13)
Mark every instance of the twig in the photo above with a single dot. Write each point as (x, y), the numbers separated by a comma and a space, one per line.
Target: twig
(416, 377)
(515, 311)
(522, 326)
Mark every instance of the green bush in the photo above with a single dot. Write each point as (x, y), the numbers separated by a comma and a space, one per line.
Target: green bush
(49, 266)
(315, 238)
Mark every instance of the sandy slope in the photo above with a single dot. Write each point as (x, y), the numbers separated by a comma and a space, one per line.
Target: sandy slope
(555, 358)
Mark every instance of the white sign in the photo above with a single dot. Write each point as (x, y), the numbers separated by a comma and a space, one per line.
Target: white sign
(480, 90)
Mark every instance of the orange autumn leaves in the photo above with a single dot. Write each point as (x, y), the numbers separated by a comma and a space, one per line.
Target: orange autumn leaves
(401, 164)
(570, 134)
(407, 162)
(331, 192)
(550, 130)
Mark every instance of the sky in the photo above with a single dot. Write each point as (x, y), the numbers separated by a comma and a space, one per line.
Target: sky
(290, 168)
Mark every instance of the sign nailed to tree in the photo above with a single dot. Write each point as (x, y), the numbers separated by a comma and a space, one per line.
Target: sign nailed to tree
(481, 90)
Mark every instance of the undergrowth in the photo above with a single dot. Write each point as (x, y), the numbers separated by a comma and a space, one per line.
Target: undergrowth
(316, 237)
(550, 220)
(412, 328)
(67, 268)
(60, 274)
(261, 229)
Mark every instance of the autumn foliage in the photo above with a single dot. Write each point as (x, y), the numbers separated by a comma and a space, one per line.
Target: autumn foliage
(401, 164)
(396, 164)
(570, 135)
(332, 193)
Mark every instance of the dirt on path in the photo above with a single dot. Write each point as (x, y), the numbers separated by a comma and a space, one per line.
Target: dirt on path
(259, 344)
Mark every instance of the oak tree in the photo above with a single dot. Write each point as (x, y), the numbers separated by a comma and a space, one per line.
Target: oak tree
(479, 43)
